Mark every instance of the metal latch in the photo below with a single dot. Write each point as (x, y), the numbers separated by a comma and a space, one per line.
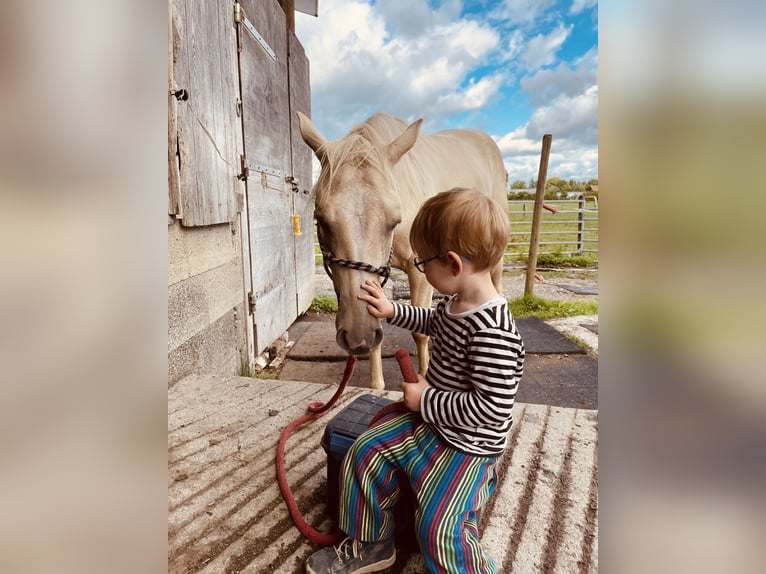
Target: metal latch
(294, 182)
(245, 173)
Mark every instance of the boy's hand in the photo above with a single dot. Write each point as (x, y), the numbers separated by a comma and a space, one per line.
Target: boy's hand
(377, 303)
(412, 393)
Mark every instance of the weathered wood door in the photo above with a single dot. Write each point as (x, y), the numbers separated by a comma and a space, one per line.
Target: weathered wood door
(274, 78)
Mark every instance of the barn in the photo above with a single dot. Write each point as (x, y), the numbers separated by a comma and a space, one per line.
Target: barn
(239, 267)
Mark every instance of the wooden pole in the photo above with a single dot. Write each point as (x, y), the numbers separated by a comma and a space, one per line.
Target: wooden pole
(289, 8)
(538, 209)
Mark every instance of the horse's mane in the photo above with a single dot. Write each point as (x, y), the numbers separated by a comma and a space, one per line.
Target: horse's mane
(361, 146)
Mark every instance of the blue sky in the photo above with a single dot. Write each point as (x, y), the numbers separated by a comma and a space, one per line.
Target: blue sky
(515, 69)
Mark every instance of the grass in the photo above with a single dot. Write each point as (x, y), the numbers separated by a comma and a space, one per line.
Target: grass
(520, 307)
(244, 369)
(558, 232)
(561, 260)
(547, 309)
(324, 304)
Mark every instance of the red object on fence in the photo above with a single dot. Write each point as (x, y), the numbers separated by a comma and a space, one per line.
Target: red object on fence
(550, 208)
(538, 277)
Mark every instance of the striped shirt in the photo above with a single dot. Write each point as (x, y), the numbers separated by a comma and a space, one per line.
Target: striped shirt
(476, 362)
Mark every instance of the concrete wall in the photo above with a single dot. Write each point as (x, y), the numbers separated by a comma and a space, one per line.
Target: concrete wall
(206, 301)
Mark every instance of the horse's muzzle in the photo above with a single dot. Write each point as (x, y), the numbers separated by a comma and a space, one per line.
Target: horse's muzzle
(359, 345)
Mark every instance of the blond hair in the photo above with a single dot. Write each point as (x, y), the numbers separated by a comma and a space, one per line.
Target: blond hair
(464, 221)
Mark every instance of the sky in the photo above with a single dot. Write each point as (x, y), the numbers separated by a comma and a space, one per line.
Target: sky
(515, 69)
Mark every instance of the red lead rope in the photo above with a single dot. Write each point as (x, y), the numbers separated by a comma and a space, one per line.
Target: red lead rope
(316, 410)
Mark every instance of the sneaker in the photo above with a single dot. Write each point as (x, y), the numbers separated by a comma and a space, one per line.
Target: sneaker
(352, 557)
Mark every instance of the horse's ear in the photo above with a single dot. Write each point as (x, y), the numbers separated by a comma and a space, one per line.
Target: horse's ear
(401, 145)
(310, 135)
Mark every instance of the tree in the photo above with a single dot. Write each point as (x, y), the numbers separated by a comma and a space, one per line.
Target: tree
(519, 184)
(555, 184)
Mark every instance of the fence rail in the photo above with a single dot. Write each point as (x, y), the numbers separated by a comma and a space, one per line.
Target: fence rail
(572, 230)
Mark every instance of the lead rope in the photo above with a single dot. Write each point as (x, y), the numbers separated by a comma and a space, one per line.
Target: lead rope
(316, 410)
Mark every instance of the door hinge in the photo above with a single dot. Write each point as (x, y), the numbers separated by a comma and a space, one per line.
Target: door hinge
(250, 302)
(240, 17)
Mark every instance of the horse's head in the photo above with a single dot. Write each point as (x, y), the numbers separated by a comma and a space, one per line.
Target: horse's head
(357, 211)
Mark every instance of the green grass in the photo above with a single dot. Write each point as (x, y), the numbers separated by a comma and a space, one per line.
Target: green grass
(559, 228)
(244, 369)
(324, 304)
(553, 229)
(560, 260)
(547, 309)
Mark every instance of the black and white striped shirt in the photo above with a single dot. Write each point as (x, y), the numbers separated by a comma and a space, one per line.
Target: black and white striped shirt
(474, 370)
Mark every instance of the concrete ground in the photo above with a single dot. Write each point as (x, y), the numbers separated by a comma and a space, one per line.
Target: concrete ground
(226, 513)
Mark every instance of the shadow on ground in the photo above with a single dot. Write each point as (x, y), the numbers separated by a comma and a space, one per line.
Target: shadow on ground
(557, 372)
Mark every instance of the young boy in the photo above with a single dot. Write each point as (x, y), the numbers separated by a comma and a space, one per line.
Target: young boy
(459, 415)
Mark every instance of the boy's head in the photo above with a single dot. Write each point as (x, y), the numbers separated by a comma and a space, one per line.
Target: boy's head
(464, 221)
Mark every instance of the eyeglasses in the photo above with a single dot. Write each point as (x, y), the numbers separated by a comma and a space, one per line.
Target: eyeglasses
(420, 264)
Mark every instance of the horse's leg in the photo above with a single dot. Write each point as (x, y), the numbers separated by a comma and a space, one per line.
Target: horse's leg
(421, 293)
(376, 368)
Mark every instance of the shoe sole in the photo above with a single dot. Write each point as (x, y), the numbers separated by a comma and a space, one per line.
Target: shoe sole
(369, 569)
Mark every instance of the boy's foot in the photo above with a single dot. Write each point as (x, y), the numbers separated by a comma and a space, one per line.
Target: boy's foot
(352, 557)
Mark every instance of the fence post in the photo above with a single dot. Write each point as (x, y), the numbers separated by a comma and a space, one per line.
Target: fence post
(580, 224)
(536, 214)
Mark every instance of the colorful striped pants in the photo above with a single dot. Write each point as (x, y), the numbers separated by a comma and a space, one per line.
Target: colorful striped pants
(449, 487)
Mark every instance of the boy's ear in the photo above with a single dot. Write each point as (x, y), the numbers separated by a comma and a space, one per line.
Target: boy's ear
(456, 262)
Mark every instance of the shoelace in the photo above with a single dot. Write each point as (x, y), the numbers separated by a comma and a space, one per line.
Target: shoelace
(342, 547)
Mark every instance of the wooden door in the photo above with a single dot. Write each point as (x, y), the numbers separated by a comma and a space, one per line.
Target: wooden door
(204, 129)
(303, 200)
(276, 252)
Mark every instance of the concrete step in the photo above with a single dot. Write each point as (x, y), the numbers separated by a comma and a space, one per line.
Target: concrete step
(226, 513)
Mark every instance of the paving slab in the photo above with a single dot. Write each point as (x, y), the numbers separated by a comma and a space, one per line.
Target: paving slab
(541, 338)
(580, 289)
(560, 380)
(315, 341)
(226, 513)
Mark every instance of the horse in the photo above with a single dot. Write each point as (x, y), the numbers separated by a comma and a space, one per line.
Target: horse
(371, 183)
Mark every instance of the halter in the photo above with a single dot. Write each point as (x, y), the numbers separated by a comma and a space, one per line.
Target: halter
(328, 259)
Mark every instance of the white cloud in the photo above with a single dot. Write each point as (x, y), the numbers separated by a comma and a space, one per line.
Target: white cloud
(515, 44)
(475, 96)
(541, 50)
(580, 5)
(414, 61)
(572, 120)
(408, 19)
(523, 11)
(357, 68)
(548, 84)
(517, 143)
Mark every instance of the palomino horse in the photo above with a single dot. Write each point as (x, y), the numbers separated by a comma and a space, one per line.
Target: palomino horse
(370, 187)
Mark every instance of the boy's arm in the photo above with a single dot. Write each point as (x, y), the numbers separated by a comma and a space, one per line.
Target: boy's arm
(496, 363)
(415, 319)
